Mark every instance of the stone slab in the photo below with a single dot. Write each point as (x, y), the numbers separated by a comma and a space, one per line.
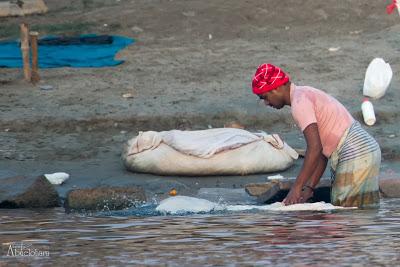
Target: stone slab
(226, 195)
(263, 192)
(276, 190)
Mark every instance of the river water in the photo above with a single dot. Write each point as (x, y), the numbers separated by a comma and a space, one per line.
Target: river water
(244, 238)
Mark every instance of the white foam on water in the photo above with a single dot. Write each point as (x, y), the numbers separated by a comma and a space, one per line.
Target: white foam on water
(184, 204)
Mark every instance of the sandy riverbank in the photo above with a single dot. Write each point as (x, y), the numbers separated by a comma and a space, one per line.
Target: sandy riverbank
(190, 68)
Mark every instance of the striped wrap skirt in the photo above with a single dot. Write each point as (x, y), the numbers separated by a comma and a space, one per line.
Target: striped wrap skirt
(355, 169)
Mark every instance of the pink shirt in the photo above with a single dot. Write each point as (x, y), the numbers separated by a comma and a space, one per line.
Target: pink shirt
(310, 105)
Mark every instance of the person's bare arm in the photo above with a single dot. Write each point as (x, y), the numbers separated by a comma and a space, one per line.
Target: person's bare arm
(313, 166)
(308, 188)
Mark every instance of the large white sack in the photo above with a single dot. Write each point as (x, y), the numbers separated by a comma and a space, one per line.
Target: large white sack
(149, 153)
(201, 143)
(377, 78)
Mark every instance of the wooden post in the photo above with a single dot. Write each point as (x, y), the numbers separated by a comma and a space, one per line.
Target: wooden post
(34, 49)
(25, 51)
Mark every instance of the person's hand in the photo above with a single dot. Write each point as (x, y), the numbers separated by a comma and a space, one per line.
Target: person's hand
(294, 196)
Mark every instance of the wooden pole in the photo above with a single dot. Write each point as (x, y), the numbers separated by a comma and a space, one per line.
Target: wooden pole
(25, 51)
(34, 49)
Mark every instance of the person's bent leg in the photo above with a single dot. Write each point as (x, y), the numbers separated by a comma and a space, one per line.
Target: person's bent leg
(357, 186)
(355, 181)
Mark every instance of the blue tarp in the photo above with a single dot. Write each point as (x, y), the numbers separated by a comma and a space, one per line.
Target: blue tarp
(72, 55)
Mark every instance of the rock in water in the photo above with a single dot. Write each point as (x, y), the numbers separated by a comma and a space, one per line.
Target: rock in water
(104, 198)
(390, 187)
(27, 192)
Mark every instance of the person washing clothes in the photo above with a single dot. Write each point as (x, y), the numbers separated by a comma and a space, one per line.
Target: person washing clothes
(330, 133)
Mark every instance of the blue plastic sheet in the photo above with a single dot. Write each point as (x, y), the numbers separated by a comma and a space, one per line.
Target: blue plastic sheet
(76, 55)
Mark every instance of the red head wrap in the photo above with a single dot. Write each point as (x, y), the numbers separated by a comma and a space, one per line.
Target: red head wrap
(392, 6)
(267, 78)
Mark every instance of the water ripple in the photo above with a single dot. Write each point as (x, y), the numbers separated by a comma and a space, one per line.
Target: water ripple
(248, 238)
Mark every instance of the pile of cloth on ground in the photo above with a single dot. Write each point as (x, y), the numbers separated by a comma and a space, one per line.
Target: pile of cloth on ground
(220, 151)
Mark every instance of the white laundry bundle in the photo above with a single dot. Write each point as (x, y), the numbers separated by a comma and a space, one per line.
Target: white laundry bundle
(221, 151)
